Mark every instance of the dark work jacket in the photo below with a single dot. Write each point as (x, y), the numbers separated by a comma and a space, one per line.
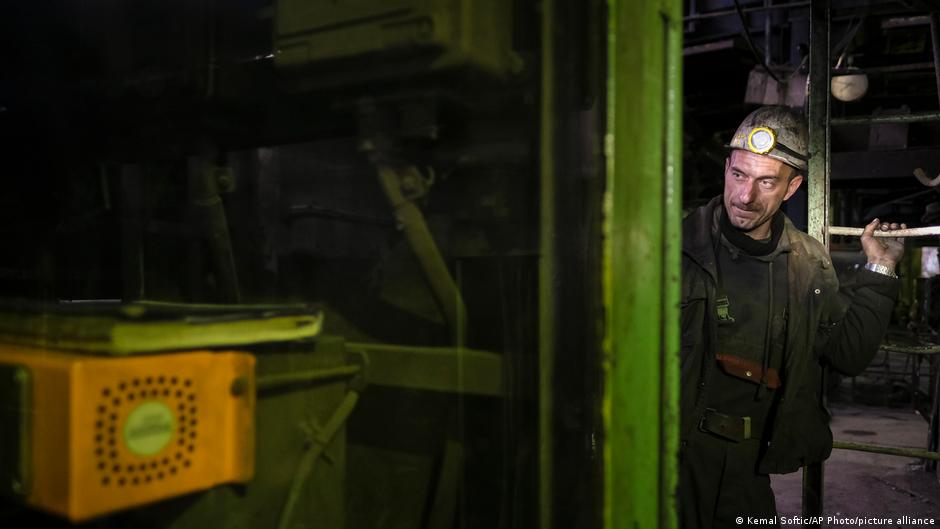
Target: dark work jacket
(826, 326)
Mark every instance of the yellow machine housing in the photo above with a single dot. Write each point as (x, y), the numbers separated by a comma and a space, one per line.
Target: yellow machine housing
(110, 433)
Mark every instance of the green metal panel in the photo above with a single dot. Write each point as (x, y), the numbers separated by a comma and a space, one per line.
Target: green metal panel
(641, 264)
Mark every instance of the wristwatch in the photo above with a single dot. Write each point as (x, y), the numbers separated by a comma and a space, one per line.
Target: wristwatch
(881, 269)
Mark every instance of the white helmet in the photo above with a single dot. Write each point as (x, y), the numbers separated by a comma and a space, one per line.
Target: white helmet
(777, 132)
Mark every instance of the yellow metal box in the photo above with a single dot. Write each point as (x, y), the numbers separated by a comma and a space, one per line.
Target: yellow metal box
(106, 433)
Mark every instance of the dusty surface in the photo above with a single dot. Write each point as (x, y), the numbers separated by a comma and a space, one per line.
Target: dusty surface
(860, 484)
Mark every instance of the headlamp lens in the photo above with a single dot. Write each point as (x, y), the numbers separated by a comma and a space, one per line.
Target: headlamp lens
(761, 140)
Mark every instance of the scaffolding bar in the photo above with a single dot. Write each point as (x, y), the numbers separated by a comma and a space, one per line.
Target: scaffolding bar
(911, 349)
(729, 12)
(908, 232)
(918, 117)
(887, 450)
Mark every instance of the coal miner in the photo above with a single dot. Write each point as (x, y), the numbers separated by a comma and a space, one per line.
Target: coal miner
(763, 315)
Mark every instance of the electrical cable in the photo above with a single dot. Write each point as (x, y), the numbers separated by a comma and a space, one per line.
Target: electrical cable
(842, 48)
(750, 43)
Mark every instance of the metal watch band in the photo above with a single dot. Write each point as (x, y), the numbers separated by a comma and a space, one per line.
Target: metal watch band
(880, 269)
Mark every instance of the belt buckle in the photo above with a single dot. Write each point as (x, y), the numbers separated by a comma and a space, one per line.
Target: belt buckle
(701, 421)
(745, 422)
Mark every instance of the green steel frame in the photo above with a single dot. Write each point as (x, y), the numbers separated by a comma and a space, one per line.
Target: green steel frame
(818, 191)
(641, 263)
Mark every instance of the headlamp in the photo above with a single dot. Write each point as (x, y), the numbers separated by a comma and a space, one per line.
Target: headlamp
(761, 140)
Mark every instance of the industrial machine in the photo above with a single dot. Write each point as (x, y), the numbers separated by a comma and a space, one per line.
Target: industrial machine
(395, 264)
(303, 263)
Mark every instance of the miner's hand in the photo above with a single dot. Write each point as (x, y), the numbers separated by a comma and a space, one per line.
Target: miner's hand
(885, 251)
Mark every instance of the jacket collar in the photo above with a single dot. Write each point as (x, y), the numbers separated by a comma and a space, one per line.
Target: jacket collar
(700, 228)
(698, 231)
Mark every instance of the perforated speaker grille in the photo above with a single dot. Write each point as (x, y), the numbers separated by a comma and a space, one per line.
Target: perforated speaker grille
(117, 464)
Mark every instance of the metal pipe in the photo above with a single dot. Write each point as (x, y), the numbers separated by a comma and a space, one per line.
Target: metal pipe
(919, 117)
(888, 450)
(425, 249)
(763, 61)
(318, 444)
(904, 22)
(911, 349)
(716, 14)
(894, 68)
(767, 56)
(208, 206)
(265, 382)
(909, 232)
(935, 40)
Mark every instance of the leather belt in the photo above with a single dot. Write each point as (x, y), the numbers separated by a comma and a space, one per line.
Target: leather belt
(749, 370)
(730, 427)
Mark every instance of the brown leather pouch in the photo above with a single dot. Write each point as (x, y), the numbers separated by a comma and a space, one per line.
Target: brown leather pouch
(748, 370)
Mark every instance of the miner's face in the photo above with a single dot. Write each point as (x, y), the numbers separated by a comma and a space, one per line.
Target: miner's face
(755, 186)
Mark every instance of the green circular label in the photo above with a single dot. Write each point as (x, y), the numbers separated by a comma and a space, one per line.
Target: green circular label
(149, 428)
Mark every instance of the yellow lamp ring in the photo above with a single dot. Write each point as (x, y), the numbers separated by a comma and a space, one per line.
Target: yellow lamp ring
(761, 140)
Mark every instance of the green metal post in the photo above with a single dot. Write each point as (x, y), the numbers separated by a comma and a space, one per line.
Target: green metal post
(641, 264)
(547, 270)
(818, 117)
(818, 191)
